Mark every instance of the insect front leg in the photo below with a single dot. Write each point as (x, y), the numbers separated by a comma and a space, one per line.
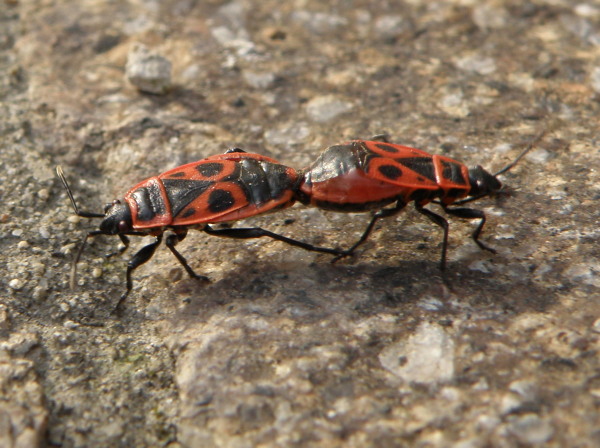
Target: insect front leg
(120, 250)
(140, 257)
(170, 242)
(470, 213)
(125, 240)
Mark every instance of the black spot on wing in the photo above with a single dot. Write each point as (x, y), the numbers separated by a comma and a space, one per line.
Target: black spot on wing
(220, 200)
(452, 171)
(388, 148)
(183, 191)
(210, 169)
(278, 179)
(189, 212)
(178, 174)
(263, 181)
(420, 165)
(252, 179)
(391, 172)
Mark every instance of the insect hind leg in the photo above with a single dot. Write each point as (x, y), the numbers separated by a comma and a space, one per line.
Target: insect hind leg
(383, 138)
(258, 232)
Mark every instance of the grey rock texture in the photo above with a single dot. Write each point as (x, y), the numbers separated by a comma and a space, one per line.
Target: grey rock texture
(283, 348)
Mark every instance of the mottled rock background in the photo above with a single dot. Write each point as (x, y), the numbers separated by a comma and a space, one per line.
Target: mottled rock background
(283, 348)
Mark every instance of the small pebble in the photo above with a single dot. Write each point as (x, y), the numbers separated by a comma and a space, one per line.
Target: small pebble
(453, 103)
(318, 22)
(430, 304)
(477, 64)
(4, 318)
(538, 156)
(595, 79)
(587, 10)
(481, 266)
(259, 80)
(525, 388)
(502, 148)
(390, 26)
(65, 307)
(596, 326)
(425, 357)
(487, 16)
(22, 244)
(69, 324)
(43, 194)
(67, 248)
(15, 284)
(288, 134)
(40, 293)
(325, 108)
(531, 429)
(148, 71)
(73, 219)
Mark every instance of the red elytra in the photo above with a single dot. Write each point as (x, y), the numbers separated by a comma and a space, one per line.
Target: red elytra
(363, 175)
(221, 188)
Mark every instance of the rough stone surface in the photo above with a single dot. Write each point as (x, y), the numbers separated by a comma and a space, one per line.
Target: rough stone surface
(282, 348)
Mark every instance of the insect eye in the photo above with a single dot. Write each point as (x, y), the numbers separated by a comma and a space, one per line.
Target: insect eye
(123, 227)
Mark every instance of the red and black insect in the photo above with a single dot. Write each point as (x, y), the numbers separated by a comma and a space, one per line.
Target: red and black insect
(366, 175)
(221, 188)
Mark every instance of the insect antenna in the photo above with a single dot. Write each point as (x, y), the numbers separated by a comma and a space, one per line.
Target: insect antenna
(83, 214)
(73, 275)
(78, 212)
(528, 148)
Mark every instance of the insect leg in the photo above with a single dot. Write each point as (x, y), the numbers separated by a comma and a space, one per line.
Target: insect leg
(120, 250)
(470, 213)
(257, 232)
(141, 257)
(383, 213)
(125, 240)
(440, 221)
(170, 242)
(384, 138)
